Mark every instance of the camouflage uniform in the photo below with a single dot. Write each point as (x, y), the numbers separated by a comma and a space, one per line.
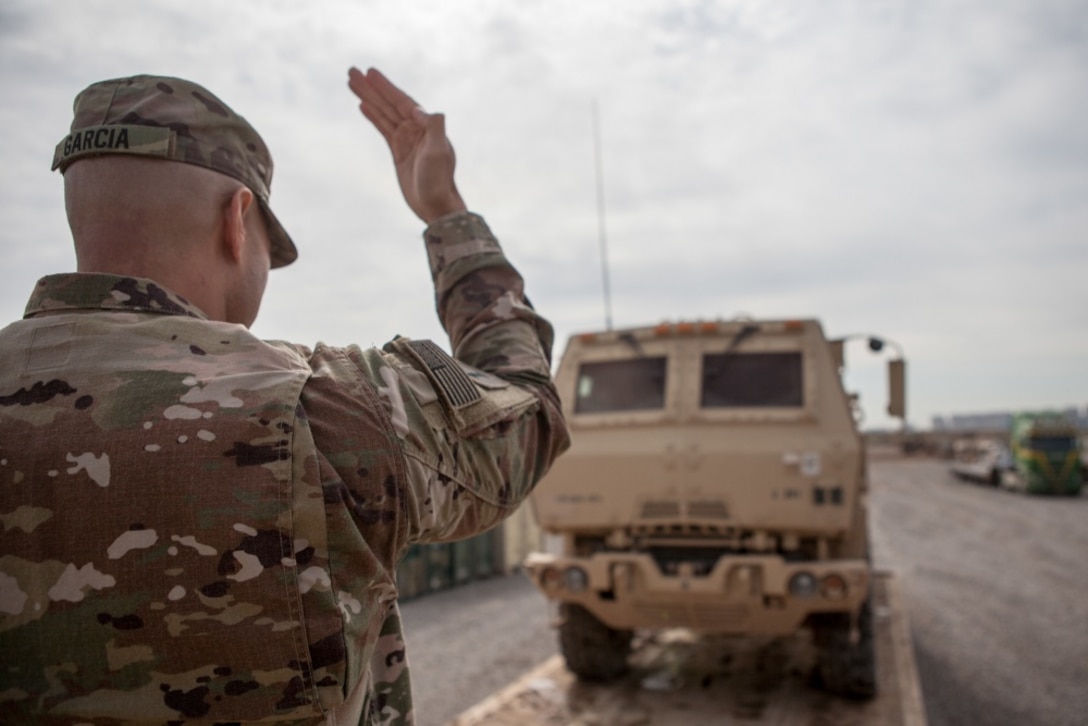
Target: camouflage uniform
(202, 527)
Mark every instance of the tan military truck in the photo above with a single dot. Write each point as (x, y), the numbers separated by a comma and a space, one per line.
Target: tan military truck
(716, 482)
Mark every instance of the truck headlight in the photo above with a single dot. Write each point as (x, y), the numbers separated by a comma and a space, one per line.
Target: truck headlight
(833, 587)
(802, 585)
(550, 578)
(576, 579)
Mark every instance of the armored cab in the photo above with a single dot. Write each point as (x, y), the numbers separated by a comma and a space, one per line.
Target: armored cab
(1046, 455)
(716, 481)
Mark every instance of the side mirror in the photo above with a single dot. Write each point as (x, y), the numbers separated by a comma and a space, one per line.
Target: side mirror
(837, 353)
(897, 388)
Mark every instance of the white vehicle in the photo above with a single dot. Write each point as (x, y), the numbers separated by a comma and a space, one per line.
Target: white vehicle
(980, 460)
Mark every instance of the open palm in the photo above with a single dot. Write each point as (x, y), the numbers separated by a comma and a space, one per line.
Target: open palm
(422, 154)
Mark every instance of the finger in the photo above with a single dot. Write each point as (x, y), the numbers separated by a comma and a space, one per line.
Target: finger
(382, 113)
(386, 127)
(390, 94)
(380, 107)
(357, 82)
(355, 76)
(434, 123)
(373, 106)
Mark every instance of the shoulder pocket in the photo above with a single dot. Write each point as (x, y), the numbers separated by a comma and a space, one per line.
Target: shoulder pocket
(472, 399)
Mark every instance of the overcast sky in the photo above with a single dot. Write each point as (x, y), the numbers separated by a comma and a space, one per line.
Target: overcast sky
(914, 169)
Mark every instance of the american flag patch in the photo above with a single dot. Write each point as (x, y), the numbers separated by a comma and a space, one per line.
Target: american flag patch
(451, 379)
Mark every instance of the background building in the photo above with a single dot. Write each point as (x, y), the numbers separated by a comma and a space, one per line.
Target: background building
(999, 421)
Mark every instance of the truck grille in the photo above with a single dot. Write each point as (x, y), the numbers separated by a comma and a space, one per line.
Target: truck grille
(698, 509)
(708, 509)
(660, 509)
(707, 616)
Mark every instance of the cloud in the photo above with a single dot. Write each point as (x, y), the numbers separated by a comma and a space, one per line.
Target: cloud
(915, 170)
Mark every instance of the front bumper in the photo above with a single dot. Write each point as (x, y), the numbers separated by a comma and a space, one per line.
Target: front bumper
(742, 594)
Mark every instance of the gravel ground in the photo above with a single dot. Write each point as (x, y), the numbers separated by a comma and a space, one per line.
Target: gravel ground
(996, 586)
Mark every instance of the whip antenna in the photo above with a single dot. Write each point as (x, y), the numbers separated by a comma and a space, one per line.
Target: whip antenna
(600, 219)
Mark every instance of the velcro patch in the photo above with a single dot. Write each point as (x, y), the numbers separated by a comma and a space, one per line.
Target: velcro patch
(448, 376)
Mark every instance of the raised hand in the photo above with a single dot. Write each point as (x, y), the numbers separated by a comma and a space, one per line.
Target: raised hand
(422, 154)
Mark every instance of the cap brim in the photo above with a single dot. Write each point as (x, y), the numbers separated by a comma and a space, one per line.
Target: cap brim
(283, 249)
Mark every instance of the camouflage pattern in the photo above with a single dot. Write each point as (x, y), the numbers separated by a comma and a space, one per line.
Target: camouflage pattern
(202, 527)
(175, 120)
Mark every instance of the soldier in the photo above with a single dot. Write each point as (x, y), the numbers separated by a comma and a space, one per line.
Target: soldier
(200, 526)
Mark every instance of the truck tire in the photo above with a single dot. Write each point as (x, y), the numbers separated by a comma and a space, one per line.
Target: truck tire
(845, 668)
(593, 651)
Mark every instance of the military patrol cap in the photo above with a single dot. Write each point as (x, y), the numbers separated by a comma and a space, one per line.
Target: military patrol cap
(175, 120)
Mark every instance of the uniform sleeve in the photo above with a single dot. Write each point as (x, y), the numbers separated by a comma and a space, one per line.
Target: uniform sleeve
(473, 432)
(480, 428)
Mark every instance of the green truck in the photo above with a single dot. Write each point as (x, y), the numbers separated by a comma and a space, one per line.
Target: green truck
(1046, 455)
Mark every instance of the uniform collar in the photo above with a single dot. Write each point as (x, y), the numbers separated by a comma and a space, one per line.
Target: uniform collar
(93, 291)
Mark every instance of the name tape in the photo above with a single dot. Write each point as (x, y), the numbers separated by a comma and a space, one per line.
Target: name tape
(114, 139)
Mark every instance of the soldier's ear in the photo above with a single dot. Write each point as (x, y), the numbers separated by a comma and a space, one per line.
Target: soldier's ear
(234, 222)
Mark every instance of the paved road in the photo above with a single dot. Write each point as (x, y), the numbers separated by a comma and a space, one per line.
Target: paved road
(996, 585)
(464, 644)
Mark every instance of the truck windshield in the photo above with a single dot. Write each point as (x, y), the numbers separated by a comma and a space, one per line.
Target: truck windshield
(1054, 444)
(625, 385)
(752, 380)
